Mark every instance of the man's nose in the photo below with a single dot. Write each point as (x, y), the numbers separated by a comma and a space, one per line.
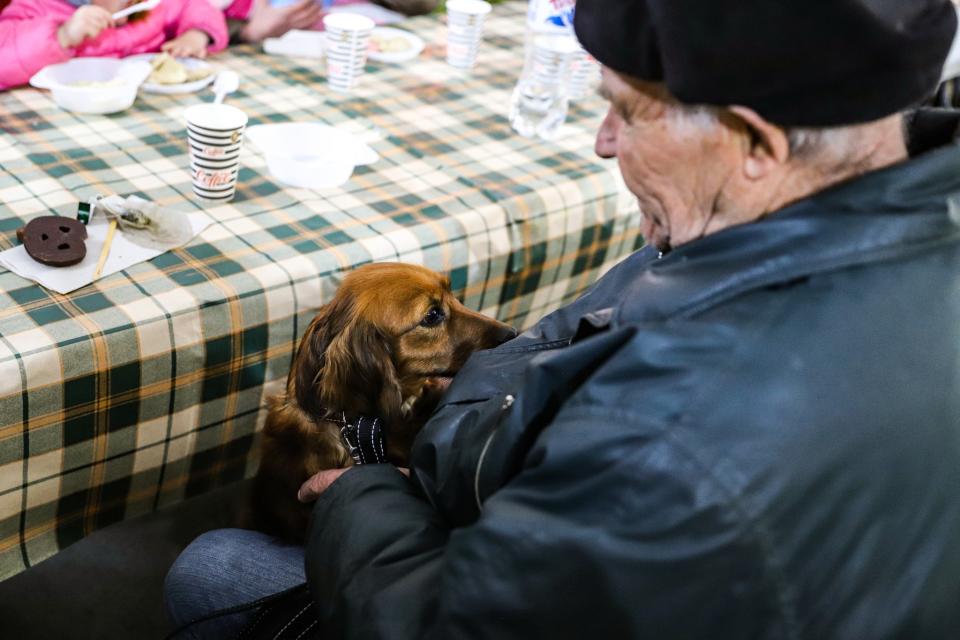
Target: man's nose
(606, 144)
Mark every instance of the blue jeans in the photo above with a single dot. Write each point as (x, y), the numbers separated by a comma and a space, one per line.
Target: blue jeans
(224, 568)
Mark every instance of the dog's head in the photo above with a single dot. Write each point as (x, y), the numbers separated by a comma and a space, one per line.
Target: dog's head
(390, 338)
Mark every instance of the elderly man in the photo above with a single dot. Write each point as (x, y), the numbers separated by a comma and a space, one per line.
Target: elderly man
(750, 429)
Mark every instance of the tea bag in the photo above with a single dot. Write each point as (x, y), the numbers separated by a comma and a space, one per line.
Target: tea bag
(146, 224)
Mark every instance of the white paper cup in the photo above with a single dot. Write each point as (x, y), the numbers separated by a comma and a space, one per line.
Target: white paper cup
(343, 76)
(213, 179)
(225, 138)
(215, 136)
(214, 152)
(357, 61)
(214, 184)
(465, 31)
(214, 165)
(348, 38)
(347, 22)
(467, 9)
(215, 118)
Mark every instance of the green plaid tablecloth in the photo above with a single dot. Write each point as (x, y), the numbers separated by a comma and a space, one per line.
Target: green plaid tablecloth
(148, 387)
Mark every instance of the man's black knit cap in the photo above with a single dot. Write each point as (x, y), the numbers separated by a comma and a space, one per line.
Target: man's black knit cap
(815, 63)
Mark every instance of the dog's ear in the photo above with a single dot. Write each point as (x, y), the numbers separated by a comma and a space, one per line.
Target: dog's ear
(304, 380)
(358, 373)
(344, 364)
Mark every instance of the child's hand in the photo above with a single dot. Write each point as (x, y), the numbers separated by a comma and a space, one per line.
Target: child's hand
(86, 22)
(189, 44)
(269, 22)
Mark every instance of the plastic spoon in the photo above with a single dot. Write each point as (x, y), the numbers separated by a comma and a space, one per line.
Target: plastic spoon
(149, 5)
(226, 82)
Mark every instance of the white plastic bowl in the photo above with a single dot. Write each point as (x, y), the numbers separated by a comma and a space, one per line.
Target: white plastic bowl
(310, 155)
(309, 172)
(65, 82)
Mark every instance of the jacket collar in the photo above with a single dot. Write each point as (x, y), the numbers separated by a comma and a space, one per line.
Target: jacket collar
(909, 207)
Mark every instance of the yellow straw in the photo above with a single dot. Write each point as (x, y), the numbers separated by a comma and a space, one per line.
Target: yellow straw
(106, 249)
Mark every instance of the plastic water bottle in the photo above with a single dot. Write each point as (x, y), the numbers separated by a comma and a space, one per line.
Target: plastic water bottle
(539, 103)
(547, 18)
(584, 75)
(550, 18)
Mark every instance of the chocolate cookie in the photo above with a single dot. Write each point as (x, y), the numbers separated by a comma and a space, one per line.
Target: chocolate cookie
(54, 240)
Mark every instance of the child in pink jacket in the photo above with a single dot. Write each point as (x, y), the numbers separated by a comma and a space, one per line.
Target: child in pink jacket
(35, 33)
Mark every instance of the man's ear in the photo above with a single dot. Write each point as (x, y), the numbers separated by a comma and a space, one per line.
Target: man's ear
(768, 148)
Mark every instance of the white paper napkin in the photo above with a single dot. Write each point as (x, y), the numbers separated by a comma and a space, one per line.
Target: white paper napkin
(123, 254)
(297, 43)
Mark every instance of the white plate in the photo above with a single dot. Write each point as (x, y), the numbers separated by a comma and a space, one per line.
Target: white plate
(186, 87)
(415, 42)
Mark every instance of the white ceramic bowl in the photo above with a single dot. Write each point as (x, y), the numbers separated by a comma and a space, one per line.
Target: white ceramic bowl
(93, 85)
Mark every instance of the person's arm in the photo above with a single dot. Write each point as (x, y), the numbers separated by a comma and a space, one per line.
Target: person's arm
(266, 21)
(610, 528)
(204, 17)
(26, 46)
(410, 7)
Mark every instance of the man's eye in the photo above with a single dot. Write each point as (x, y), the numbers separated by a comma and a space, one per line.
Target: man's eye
(433, 317)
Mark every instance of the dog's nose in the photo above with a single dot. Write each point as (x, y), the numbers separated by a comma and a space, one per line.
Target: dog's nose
(505, 333)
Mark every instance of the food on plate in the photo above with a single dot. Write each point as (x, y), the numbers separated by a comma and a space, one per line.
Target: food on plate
(55, 241)
(169, 70)
(198, 74)
(389, 44)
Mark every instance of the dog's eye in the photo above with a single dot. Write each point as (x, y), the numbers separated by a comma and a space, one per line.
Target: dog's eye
(433, 317)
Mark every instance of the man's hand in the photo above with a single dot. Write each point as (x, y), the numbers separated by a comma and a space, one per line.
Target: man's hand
(189, 44)
(270, 22)
(86, 22)
(320, 482)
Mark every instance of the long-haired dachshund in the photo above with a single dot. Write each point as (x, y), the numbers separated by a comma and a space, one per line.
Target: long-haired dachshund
(384, 347)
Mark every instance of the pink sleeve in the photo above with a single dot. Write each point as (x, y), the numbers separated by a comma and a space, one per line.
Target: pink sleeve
(202, 15)
(239, 10)
(26, 46)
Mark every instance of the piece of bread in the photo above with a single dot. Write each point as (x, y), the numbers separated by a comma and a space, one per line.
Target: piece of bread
(167, 70)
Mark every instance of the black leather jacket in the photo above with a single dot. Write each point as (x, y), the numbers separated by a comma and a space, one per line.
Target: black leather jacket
(756, 436)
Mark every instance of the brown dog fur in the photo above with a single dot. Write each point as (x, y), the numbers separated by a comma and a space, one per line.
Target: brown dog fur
(374, 350)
